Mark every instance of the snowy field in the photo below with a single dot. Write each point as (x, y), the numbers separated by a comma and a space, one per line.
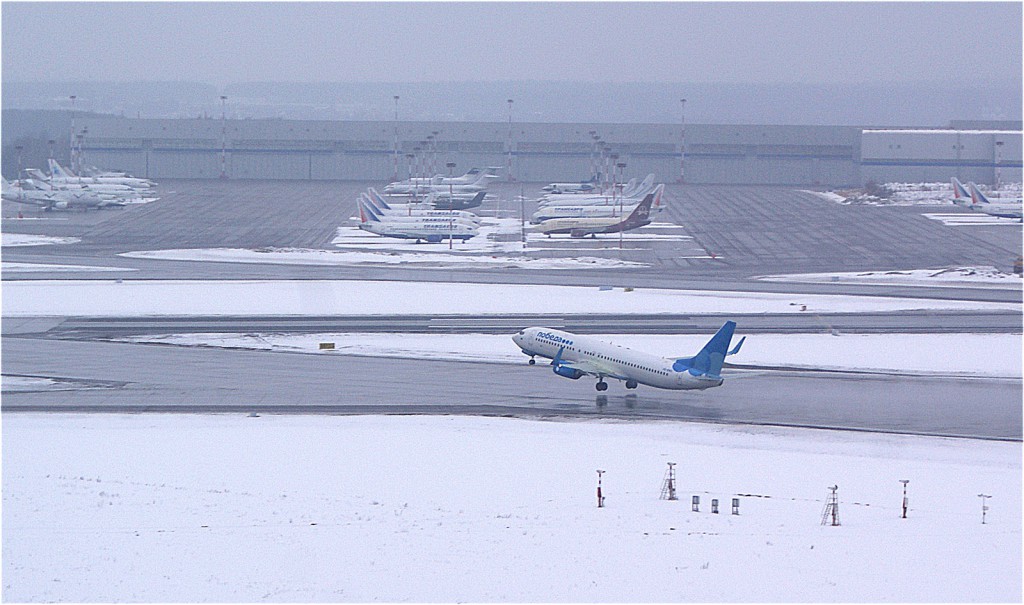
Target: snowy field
(960, 219)
(128, 298)
(982, 355)
(958, 277)
(22, 239)
(40, 267)
(911, 194)
(457, 259)
(169, 508)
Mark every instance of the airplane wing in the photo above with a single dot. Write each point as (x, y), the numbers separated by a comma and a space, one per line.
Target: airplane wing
(592, 368)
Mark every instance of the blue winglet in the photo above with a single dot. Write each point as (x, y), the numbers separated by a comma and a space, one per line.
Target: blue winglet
(736, 349)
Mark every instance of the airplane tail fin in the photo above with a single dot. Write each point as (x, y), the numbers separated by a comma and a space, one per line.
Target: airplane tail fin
(642, 212)
(59, 171)
(710, 359)
(365, 214)
(959, 191)
(378, 199)
(977, 197)
(658, 191)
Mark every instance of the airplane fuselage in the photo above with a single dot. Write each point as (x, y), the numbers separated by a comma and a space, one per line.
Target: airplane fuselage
(638, 366)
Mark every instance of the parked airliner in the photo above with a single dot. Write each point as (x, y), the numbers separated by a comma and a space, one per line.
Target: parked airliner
(574, 356)
(1002, 207)
(581, 227)
(53, 199)
(59, 174)
(418, 209)
(430, 230)
(580, 187)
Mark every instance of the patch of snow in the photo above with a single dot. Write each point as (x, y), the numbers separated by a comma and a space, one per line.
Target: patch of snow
(39, 267)
(218, 508)
(24, 239)
(302, 256)
(990, 355)
(134, 298)
(950, 276)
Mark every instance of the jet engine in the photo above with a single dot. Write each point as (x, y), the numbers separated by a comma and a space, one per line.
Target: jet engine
(568, 372)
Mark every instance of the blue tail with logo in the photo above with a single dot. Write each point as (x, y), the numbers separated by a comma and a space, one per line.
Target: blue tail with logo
(708, 362)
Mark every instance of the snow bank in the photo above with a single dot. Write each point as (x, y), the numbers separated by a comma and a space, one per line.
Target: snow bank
(291, 509)
(128, 298)
(990, 355)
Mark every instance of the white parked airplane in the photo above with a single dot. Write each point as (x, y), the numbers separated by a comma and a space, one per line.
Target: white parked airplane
(420, 209)
(961, 197)
(623, 208)
(580, 187)
(575, 356)
(581, 227)
(631, 190)
(60, 174)
(105, 190)
(53, 199)
(434, 216)
(430, 230)
(1002, 207)
(441, 184)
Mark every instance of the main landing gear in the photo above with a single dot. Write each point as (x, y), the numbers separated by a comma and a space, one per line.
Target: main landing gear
(601, 385)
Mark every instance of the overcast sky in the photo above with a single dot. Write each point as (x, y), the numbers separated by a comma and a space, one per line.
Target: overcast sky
(221, 43)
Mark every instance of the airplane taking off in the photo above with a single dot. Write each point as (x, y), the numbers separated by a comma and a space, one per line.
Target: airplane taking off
(428, 229)
(1002, 207)
(581, 227)
(574, 356)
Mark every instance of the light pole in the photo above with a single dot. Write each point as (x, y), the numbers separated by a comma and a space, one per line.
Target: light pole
(71, 141)
(223, 137)
(81, 149)
(984, 507)
(78, 157)
(621, 166)
(19, 148)
(593, 137)
(682, 142)
(451, 202)
(433, 153)
(509, 168)
(999, 162)
(394, 174)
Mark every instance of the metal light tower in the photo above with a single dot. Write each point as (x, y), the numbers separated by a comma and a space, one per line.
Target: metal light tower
(984, 507)
(999, 162)
(621, 166)
(682, 142)
(19, 148)
(394, 173)
(510, 177)
(223, 137)
(77, 166)
(71, 140)
(904, 482)
(451, 201)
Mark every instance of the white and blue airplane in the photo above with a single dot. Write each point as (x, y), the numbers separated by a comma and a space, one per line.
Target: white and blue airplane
(1001, 207)
(574, 356)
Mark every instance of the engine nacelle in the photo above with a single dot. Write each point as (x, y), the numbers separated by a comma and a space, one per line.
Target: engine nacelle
(61, 205)
(568, 372)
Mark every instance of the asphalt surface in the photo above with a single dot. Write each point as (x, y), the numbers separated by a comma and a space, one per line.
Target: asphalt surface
(728, 235)
(120, 377)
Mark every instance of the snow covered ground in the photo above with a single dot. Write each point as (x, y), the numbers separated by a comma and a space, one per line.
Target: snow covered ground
(177, 508)
(989, 355)
(950, 276)
(302, 256)
(40, 267)
(130, 298)
(977, 219)
(910, 194)
(23, 239)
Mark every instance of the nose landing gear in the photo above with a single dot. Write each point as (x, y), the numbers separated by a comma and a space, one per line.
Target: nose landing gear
(532, 361)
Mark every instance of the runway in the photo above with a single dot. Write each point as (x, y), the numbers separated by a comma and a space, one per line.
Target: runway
(722, 238)
(127, 378)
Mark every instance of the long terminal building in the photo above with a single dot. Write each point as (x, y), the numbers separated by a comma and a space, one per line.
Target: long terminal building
(810, 156)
